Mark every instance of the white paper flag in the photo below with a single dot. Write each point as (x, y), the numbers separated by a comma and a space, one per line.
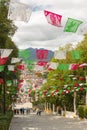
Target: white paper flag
(53, 65)
(11, 67)
(5, 52)
(19, 11)
(38, 68)
(60, 55)
(15, 60)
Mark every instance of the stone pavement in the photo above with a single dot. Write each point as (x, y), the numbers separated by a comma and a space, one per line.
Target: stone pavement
(46, 122)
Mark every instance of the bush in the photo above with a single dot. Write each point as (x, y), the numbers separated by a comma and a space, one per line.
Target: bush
(85, 112)
(81, 111)
(5, 120)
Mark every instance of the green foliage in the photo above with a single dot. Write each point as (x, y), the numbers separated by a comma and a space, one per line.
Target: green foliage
(5, 120)
(7, 29)
(85, 111)
(81, 112)
(60, 78)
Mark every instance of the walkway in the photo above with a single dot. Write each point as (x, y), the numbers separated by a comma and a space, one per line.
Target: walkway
(46, 122)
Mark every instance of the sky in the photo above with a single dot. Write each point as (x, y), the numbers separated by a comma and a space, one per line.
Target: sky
(38, 33)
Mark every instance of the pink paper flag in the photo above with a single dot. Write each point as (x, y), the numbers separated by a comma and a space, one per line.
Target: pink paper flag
(42, 63)
(52, 18)
(42, 54)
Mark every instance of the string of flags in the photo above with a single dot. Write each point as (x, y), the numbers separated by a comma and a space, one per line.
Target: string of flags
(22, 12)
(54, 90)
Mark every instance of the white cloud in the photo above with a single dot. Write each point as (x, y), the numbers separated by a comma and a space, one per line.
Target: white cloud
(38, 33)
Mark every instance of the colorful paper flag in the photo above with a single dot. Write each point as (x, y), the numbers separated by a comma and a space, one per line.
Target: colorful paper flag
(38, 68)
(42, 54)
(21, 67)
(9, 83)
(1, 81)
(76, 54)
(1, 68)
(83, 65)
(53, 66)
(72, 25)
(11, 67)
(30, 67)
(42, 63)
(5, 52)
(15, 60)
(24, 53)
(3, 60)
(63, 67)
(73, 66)
(19, 11)
(60, 54)
(52, 18)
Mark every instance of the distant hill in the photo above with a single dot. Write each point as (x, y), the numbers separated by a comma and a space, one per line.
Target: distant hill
(32, 54)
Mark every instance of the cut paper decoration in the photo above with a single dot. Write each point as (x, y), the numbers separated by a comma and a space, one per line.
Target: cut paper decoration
(9, 83)
(3, 61)
(15, 60)
(72, 25)
(53, 66)
(60, 55)
(73, 66)
(52, 18)
(63, 67)
(76, 54)
(30, 62)
(20, 67)
(1, 68)
(5, 52)
(38, 68)
(11, 67)
(30, 67)
(42, 54)
(19, 11)
(24, 53)
(83, 65)
(1, 81)
(42, 63)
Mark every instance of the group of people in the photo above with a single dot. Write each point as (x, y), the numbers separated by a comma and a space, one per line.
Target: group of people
(22, 111)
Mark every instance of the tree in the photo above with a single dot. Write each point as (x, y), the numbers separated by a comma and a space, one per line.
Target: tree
(7, 30)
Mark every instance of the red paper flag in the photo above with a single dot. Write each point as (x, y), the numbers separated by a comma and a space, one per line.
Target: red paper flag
(21, 67)
(41, 63)
(42, 54)
(3, 60)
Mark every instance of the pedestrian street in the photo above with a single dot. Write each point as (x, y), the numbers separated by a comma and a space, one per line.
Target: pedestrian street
(46, 122)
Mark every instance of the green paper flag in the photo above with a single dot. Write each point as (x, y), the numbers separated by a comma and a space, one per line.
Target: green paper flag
(24, 53)
(30, 62)
(76, 54)
(63, 67)
(9, 83)
(1, 68)
(72, 25)
(60, 91)
(30, 67)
